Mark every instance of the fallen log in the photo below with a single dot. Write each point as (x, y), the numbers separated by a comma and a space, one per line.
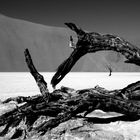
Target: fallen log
(64, 104)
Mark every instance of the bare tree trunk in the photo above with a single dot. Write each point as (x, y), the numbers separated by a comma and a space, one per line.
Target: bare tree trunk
(93, 42)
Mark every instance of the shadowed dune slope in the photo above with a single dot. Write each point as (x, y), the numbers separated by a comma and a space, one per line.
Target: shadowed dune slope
(48, 47)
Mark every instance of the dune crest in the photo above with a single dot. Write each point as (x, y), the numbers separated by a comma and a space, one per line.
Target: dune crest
(49, 47)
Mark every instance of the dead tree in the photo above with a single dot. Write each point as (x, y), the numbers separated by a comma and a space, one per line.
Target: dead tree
(91, 42)
(109, 68)
(66, 103)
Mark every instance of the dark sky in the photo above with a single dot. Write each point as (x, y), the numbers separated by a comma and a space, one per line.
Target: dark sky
(120, 17)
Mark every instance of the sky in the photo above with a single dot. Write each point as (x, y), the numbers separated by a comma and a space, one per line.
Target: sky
(120, 17)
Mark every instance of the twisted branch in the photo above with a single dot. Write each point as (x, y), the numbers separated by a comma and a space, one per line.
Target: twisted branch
(91, 42)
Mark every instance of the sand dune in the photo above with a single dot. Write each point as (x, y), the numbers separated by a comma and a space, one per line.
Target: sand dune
(48, 47)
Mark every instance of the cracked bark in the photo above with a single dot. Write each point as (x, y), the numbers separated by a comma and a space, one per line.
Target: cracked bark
(91, 42)
(65, 103)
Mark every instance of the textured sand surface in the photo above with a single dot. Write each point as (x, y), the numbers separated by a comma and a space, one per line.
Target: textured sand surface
(49, 47)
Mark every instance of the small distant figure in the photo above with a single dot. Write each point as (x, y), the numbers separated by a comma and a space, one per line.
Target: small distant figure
(110, 70)
(71, 43)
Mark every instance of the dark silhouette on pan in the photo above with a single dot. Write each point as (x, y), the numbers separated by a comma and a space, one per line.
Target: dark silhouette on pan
(110, 69)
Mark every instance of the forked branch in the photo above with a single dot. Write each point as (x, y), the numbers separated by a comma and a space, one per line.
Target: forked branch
(91, 42)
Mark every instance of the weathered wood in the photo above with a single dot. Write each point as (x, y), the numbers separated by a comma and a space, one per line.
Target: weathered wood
(91, 42)
(66, 103)
(89, 101)
(132, 91)
(21, 99)
(85, 101)
(37, 76)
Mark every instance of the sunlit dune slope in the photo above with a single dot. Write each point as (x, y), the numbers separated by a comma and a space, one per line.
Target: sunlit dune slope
(48, 47)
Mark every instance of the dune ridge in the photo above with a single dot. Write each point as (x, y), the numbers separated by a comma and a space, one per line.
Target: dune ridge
(48, 47)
